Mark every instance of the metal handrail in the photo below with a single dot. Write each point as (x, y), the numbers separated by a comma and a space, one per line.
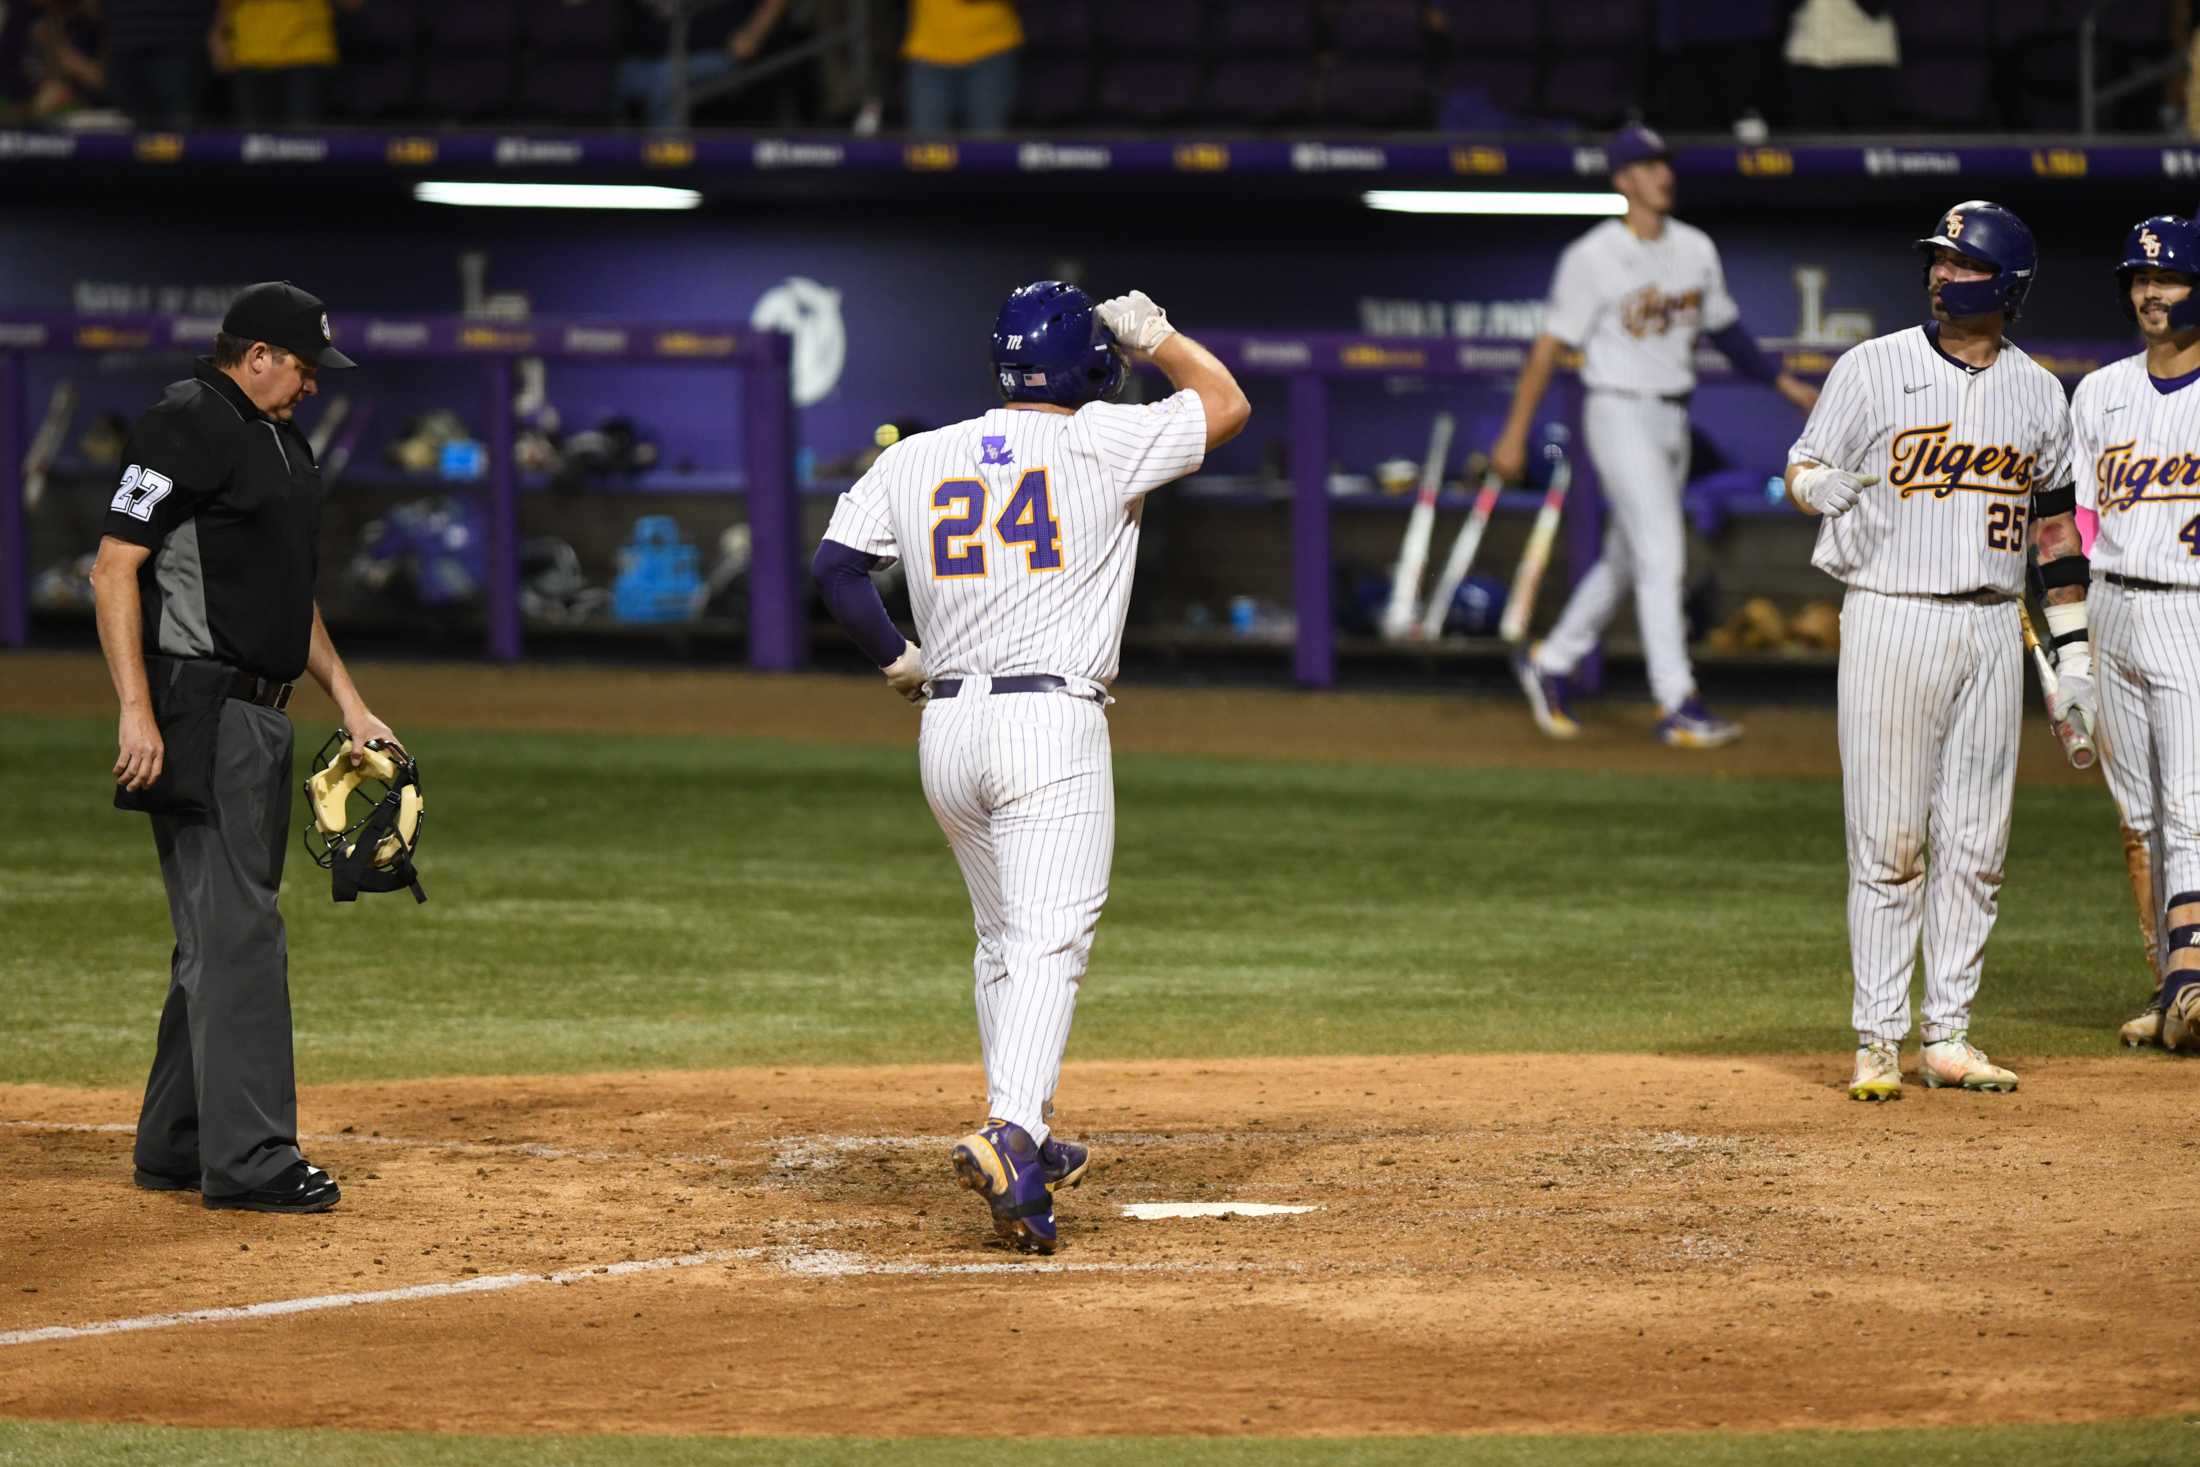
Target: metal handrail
(856, 33)
(2092, 96)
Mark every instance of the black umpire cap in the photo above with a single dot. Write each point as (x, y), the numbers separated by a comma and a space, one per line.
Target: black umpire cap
(280, 314)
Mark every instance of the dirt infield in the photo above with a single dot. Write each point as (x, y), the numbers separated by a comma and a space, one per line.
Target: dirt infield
(1508, 1243)
(1422, 728)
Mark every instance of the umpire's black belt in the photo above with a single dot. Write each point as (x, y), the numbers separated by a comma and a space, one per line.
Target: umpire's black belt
(2136, 583)
(1043, 682)
(264, 691)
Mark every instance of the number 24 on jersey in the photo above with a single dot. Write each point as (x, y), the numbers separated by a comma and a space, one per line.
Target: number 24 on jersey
(1026, 520)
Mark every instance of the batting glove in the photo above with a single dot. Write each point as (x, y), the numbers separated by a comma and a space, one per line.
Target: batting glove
(1832, 492)
(1136, 321)
(905, 674)
(2074, 691)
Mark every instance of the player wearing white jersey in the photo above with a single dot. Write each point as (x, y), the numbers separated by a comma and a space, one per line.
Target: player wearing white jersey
(1930, 454)
(2135, 429)
(1021, 529)
(1633, 295)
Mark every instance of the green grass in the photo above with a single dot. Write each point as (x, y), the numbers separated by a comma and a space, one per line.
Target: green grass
(2116, 1444)
(630, 902)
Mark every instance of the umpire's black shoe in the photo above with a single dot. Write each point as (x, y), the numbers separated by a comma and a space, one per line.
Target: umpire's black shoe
(303, 1188)
(165, 1181)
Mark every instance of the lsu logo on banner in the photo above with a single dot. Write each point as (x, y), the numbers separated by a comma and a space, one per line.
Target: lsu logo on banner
(1202, 158)
(931, 157)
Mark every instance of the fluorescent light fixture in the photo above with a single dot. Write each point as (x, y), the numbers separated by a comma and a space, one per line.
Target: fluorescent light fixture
(1492, 201)
(557, 195)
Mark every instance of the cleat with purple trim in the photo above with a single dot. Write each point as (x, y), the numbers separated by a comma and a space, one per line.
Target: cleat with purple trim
(1001, 1163)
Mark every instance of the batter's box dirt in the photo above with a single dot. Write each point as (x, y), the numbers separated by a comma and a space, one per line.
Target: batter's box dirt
(1494, 1242)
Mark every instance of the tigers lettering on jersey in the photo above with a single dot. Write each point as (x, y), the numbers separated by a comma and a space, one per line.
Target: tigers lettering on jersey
(1650, 312)
(1928, 461)
(1958, 451)
(2142, 446)
(1634, 306)
(2122, 478)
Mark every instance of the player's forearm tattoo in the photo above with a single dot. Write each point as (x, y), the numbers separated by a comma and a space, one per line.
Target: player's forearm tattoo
(2057, 538)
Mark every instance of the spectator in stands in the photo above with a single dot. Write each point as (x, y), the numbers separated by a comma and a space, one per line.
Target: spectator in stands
(720, 41)
(962, 58)
(156, 59)
(60, 59)
(1842, 58)
(278, 55)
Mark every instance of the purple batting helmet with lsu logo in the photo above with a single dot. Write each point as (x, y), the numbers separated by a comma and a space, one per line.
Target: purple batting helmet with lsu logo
(1986, 234)
(1049, 346)
(2163, 242)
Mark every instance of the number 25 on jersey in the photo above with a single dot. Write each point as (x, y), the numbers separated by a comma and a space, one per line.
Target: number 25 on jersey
(1026, 520)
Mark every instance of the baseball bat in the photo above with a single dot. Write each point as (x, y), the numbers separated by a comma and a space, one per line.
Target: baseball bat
(1528, 579)
(1461, 559)
(1405, 576)
(46, 443)
(324, 431)
(2077, 742)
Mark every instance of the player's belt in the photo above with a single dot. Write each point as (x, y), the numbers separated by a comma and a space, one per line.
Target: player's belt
(1043, 682)
(2136, 583)
(1670, 399)
(1983, 596)
(264, 691)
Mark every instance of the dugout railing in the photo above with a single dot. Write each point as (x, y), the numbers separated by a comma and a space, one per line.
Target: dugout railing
(1310, 368)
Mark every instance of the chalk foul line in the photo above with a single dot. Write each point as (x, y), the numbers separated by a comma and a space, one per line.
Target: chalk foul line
(485, 1284)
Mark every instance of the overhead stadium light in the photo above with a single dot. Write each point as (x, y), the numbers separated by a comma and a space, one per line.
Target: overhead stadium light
(557, 195)
(1493, 201)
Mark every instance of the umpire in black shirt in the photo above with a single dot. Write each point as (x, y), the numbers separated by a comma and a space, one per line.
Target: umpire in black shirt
(204, 586)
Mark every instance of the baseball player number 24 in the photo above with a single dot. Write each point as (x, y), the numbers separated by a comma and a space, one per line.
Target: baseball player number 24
(1027, 520)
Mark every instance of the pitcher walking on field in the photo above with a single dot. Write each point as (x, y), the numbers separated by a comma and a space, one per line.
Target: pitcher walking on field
(1633, 295)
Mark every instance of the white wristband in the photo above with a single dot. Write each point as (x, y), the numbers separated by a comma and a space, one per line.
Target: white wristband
(2063, 618)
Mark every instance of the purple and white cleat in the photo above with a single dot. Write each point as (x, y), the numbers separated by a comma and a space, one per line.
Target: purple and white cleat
(1002, 1164)
(1064, 1163)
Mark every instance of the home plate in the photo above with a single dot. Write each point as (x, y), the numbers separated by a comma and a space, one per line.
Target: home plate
(1160, 1211)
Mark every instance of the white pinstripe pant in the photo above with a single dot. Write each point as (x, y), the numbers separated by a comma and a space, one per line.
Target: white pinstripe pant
(2146, 645)
(1640, 448)
(1930, 696)
(1024, 787)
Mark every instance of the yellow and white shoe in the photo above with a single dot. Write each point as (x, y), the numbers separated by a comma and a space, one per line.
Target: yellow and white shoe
(1878, 1073)
(1959, 1064)
(2143, 1030)
(2181, 1019)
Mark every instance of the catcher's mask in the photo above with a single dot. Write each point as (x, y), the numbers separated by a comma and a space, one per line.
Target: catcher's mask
(365, 843)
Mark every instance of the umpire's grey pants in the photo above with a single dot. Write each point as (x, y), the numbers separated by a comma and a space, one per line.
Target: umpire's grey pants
(222, 1100)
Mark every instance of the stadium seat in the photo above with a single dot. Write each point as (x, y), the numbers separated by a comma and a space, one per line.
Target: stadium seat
(379, 45)
(1167, 26)
(1150, 90)
(1508, 83)
(1056, 89)
(1264, 26)
(2140, 24)
(477, 27)
(1260, 89)
(1479, 26)
(2026, 20)
(574, 27)
(569, 88)
(1376, 92)
(1386, 27)
(1598, 25)
(1058, 25)
(1947, 92)
(1597, 90)
(1943, 25)
(469, 71)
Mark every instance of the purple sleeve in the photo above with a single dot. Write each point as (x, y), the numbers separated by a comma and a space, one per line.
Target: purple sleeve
(844, 575)
(1740, 348)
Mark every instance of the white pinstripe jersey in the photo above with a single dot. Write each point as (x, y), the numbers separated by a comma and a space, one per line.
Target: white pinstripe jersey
(2138, 458)
(1958, 454)
(1635, 306)
(1020, 530)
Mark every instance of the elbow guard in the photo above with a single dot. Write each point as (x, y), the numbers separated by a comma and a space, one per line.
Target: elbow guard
(2047, 503)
